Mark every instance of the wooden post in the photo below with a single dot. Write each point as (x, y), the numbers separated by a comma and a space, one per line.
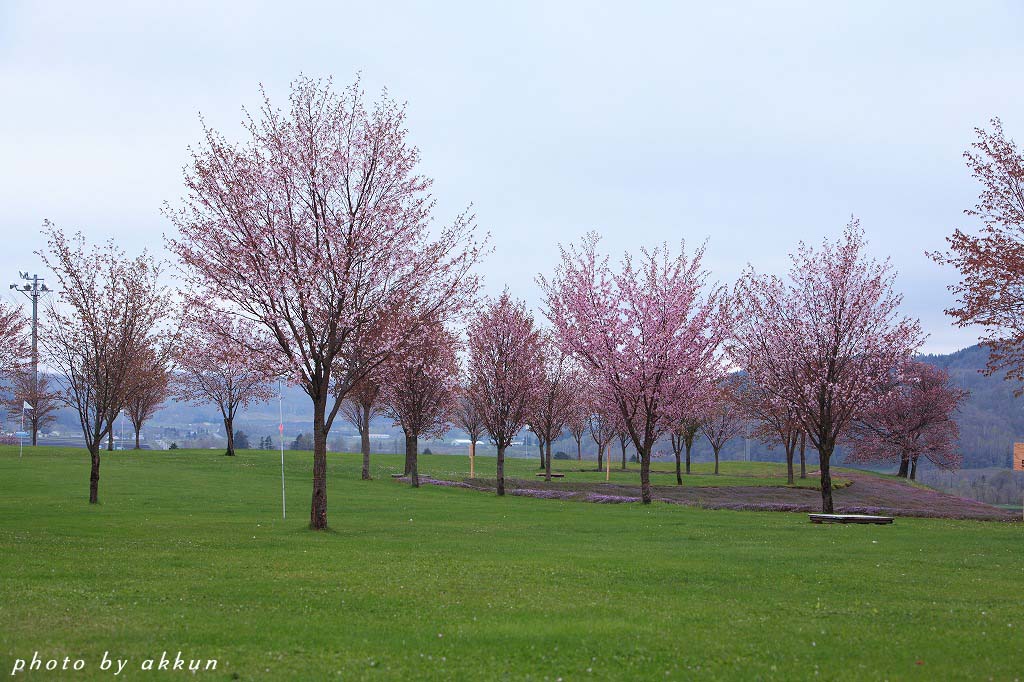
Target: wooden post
(607, 462)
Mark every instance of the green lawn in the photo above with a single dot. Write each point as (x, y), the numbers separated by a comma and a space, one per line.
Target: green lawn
(188, 552)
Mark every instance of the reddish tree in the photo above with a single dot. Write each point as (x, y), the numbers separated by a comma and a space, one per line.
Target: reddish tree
(681, 436)
(557, 392)
(39, 392)
(215, 366)
(826, 340)
(504, 371)
(914, 419)
(698, 391)
(991, 293)
(318, 230)
(638, 331)
(723, 420)
(108, 312)
(150, 388)
(776, 420)
(419, 389)
(14, 347)
(468, 418)
(359, 409)
(604, 426)
(577, 420)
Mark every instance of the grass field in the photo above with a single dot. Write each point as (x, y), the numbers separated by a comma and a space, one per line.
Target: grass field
(187, 551)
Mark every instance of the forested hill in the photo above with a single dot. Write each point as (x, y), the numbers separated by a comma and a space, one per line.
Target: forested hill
(991, 418)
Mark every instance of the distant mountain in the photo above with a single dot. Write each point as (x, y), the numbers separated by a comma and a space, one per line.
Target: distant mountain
(991, 419)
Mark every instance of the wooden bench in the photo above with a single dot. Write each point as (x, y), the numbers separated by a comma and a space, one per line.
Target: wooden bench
(849, 518)
(553, 475)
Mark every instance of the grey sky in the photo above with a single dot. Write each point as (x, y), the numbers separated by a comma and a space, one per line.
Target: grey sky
(755, 125)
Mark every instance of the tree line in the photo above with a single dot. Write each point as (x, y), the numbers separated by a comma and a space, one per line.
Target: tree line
(308, 256)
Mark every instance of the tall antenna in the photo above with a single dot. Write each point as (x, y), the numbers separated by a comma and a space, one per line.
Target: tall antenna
(33, 288)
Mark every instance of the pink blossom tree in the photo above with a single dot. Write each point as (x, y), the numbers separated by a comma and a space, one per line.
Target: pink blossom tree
(577, 420)
(557, 393)
(318, 230)
(915, 419)
(13, 343)
(638, 330)
(723, 420)
(359, 409)
(468, 418)
(150, 388)
(109, 311)
(682, 433)
(420, 387)
(216, 366)
(826, 340)
(776, 420)
(604, 426)
(504, 371)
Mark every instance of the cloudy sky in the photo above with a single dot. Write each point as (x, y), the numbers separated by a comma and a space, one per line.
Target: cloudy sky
(750, 126)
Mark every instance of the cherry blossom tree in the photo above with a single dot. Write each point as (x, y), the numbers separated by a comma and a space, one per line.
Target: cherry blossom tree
(577, 420)
(604, 426)
(776, 420)
(914, 419)
(318, 230)
(108, 312)
(150, 388)
(681, 436)
(504, 371)
(359, 409)
(991, 292)
(638, 331)
(468, 418)
(557, 393)
(824, 341)
(723, 420)
(14, 346)
(39, 392)
(215, 366)
(420, 388)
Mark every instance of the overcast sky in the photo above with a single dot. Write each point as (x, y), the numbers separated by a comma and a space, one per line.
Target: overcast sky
(753, 126)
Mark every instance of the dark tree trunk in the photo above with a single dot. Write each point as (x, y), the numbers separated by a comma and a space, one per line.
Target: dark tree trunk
(790, 447)
(904, 467)
(540, 447)
(679, 467)
(34, 422)
(824, 456)
(501, 470)
(547, 462)
(689, 446)
(623, 444)
(110, 438)
(230, 430)
(803, 459)
(318, 505)
(716, 460)
(645, 476)
(579, 450)
(94, 475)
(412, 456)
(364, 442)
(600, 457)
(913, 469)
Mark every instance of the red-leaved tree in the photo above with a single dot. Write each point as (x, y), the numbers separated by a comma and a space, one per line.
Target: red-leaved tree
(991, 263)
(318, 230)
(14, 347)
(912, 420)
(776, 419)
(39, 392)
(468, 418)
(420, 388)
(359, 409)
(723, 419)
(555, 397)
(824, 341)
(638, 331)
(216, 367)
(504, 372)
(150, 388)
(604, 426)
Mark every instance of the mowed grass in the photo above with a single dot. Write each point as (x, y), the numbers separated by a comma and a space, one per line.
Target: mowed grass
(187, 551)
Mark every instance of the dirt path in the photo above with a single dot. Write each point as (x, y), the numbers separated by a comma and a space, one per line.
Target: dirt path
(867, 494)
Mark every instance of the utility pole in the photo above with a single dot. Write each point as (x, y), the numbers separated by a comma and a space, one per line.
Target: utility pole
(33, 289)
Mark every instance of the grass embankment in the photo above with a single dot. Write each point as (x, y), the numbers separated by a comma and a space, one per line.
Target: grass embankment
(187, 551)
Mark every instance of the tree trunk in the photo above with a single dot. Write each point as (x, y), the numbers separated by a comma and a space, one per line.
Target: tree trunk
(540, 447)
(679, 465)
(547, 462)
(790, 447)
(623, 444)
(472, 457)
(229, 428)
(826, 481)
(579, 450)
(137, 445)
(716, 460)
(600, 457)
(364, 442)
(110, 438)
(689, 446)
(645, 476)
(501, 470)
(913, 469)
(412, 455)
(904, 466)
(35, 429)
(318, 505)
(803, 460)
(94, 475)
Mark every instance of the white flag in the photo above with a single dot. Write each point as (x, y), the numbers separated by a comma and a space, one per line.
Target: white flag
(27, 406)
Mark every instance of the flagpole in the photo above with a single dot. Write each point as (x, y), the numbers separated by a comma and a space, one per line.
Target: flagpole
(280, 431)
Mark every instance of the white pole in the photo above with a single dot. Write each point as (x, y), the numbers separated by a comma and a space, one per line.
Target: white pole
(280, 430)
